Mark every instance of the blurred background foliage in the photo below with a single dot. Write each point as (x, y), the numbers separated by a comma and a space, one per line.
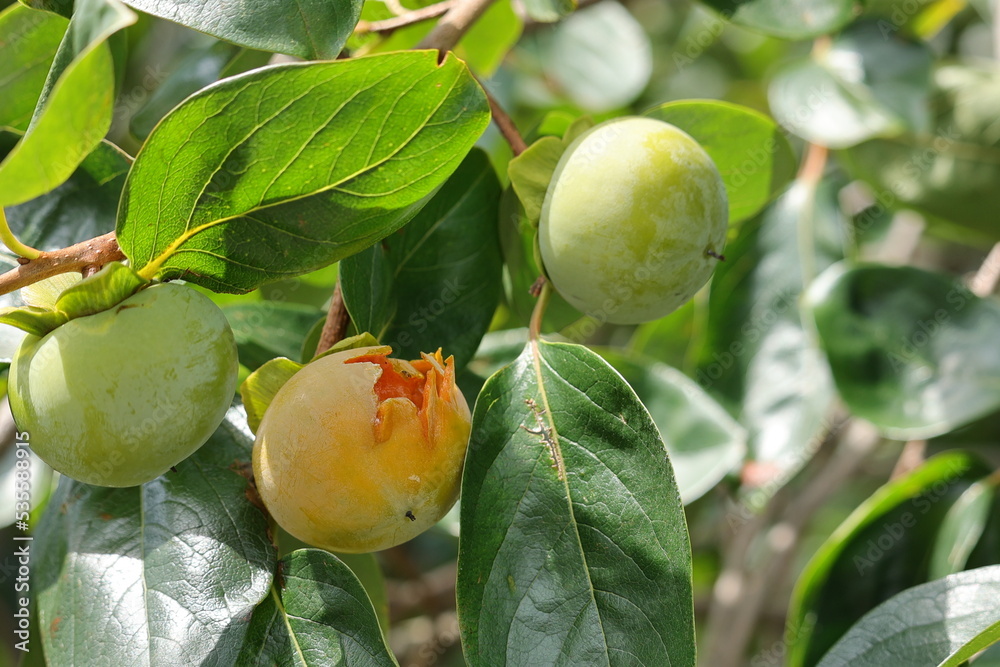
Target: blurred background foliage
(840, 372)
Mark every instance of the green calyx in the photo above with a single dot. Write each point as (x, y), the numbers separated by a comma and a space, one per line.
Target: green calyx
(102, 291)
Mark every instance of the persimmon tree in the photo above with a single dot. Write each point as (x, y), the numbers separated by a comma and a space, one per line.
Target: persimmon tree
(394, 211)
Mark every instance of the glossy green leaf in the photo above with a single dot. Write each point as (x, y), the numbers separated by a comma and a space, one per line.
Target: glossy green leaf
(599, 57)
(867, 84)
(574, 547)
(268, 329)
(799, 20)
(938, 624)
(704, 443)
(308, 163)
(963, 528)
(548, 11)
(881, 549)
(912, 352)
(758, 354)
(951, 172)
(310, 29)
(317, 613)
(436, 282)
(750, 151)
(75, 108)
(28, 43)
(259, 389)
(81, 208)
(166, 573)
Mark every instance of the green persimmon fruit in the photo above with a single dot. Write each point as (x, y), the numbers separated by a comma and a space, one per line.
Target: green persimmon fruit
(633, 221)
(118, 397)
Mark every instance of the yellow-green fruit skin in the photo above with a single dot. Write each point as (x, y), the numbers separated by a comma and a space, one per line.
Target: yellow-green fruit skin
(118, 397)
(340, 470)
(630, 221)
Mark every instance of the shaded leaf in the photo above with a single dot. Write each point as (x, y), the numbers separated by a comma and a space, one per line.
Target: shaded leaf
(911, 351)
(758, 354)
(750, 151)
(436, 282)
(521, 262)
(548, 11)
(867, 84)
(317, 613)
(311, 29)
(963, 528)
(950, 173)
(881, 549)
(574, 548)
(81, 208)
(704, 443)
(74, 109)
(599, 57)
(799, 20)
(268, 329)
(939, 624)
(198, 67)
(310, 163)
(163, 573)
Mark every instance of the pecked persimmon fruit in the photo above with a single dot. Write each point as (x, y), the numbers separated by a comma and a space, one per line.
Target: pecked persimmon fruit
(633, 221)
(118, 397)
(360, 452)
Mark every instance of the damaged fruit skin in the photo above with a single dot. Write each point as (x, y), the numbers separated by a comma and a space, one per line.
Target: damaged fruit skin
(358, 452)
(634, 220)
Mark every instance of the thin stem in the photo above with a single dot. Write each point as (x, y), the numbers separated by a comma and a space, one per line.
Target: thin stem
(337, 321)
(454, 24)
(403, 20)
(81, 257)
(810, 174)
(987, 277)
(506, 126)
(535, 326)
(9, 240)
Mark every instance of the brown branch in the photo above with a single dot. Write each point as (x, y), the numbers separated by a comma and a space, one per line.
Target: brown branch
(337, 321)
(454, 24)
(403, 20)
(506, 126)
(84, 257)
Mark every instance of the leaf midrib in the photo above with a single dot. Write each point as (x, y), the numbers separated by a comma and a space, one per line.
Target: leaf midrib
(157, 261)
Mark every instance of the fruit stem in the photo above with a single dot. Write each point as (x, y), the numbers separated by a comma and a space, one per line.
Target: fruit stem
(535, 327)
(337, 322)
(11, 241)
